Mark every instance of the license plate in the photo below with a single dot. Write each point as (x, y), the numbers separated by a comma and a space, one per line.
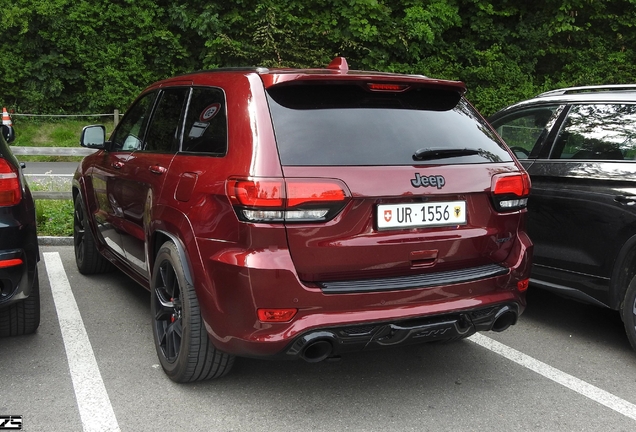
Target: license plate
(414, 215)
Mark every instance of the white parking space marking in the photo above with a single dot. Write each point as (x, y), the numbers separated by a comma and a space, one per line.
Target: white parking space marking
(596, 394)
(94, 405)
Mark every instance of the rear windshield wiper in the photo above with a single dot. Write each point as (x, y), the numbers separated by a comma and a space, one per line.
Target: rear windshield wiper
(441, 153)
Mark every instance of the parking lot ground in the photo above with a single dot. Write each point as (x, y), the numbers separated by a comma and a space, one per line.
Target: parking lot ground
(565, 366)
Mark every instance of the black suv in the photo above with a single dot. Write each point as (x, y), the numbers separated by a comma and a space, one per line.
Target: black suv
(579, 146)
(19, 254)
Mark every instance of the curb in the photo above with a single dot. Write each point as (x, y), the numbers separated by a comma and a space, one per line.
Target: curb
(55, 241)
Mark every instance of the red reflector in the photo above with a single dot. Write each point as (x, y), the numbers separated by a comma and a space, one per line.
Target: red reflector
(257, 192)
(302, 191)
(276, 315)
(11, 262)
(387, 87)
(9, 185)
(515, 184)
(523, 284)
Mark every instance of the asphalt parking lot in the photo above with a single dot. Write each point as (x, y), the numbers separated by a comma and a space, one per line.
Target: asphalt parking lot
(92, 366)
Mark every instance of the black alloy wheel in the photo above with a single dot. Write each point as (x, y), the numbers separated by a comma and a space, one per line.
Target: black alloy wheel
(87, 258)
(168, 314)
(181, 339)
(78, 231)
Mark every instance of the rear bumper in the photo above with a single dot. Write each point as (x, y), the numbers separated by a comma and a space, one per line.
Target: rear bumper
(232, 284)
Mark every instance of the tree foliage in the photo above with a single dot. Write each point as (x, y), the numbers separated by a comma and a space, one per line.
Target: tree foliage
(92, 56)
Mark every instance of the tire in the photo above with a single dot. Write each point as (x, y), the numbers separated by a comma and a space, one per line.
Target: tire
(87, 257)
(628, 312)
(23, 317)
(183, 347)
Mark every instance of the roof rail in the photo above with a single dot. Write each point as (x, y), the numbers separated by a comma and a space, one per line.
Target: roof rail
(583, 89)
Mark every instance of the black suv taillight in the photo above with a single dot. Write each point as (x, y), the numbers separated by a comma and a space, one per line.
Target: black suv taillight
(287, 200)
(10, 193)
(510, 191)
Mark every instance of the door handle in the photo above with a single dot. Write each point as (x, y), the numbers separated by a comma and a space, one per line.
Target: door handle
(117, 165)
(157, 169)
(628, 200)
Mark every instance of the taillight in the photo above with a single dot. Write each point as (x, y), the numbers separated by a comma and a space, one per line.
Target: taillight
(289, 200)
(510, 191)
(10, 193)
(259, 193)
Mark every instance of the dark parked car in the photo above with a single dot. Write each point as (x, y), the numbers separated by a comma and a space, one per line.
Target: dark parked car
(19, 253)
(293, 213)
(579, 147)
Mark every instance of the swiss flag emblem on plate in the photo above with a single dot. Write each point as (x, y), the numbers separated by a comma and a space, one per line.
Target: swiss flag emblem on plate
(388, 214)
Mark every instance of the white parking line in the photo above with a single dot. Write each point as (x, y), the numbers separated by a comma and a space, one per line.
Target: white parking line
(94, 405)
(596, 394)
(97, 413)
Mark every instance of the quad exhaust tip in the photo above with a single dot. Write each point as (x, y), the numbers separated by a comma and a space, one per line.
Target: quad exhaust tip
(317, 351)
(504, 319)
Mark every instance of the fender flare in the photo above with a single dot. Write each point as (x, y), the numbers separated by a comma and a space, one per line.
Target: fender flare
(187, 272)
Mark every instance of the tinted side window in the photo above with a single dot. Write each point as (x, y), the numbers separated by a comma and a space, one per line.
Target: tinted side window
(522, 131)
(599, 131)
(129, 135)
(348, 125)
(164, 131)
(206, 123)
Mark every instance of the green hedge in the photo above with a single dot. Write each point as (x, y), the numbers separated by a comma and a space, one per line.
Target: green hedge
(63, 56)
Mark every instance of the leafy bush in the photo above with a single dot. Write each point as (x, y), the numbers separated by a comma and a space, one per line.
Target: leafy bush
(503, 50)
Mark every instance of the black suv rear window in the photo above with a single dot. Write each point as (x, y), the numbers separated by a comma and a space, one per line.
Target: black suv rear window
(350, 125)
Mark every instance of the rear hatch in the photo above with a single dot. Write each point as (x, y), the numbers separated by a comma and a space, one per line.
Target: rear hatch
(395, 180)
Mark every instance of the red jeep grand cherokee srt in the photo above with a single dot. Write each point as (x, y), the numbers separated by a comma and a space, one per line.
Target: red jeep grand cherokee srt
(289, 213)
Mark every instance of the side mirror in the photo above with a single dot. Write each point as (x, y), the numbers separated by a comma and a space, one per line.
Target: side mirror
(93, 136)
(8, 133)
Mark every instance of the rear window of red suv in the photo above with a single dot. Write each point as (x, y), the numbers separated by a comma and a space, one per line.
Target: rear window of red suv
(351, 125)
